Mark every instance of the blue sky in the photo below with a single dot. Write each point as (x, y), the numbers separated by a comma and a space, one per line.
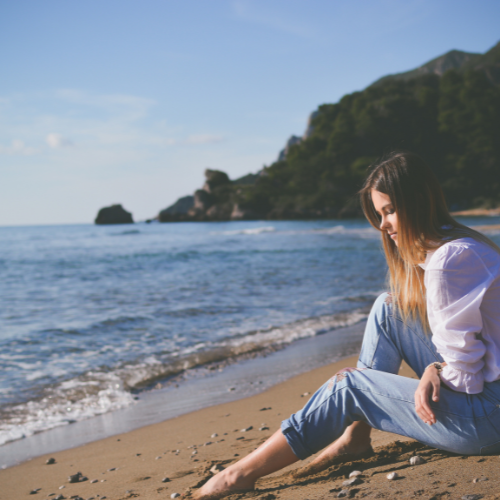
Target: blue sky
(128, 102)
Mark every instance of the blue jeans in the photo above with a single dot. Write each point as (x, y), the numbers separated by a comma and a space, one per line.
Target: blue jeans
(468, 424)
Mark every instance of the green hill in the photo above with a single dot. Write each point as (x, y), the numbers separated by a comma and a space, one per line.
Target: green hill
(448, 111)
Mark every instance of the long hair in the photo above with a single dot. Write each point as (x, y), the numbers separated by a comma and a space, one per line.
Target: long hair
(424, 224)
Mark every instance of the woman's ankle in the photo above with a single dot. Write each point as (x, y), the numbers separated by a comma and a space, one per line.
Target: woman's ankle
(236, 478)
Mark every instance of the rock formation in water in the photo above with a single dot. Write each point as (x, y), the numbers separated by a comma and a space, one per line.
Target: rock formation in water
(115, 214)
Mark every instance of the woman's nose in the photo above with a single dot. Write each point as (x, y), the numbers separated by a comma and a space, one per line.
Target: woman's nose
(383, 223)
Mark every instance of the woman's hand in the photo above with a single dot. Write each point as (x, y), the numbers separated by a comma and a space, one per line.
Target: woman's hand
(428, 387)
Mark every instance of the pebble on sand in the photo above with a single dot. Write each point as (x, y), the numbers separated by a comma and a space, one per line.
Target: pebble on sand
(35, 491)
(417, 460)
(246, 429)
(264, 428)
(175, 495)
(157, 458)
(51, 461)
(59, 497)
(94, 481)
(62, 487)
(392, 475)
(472, 497)
(355, 473)
(478, 479)
(165, 480)
(352, 481)
(112, 469)
(77, 478)
(343, 493)
(214, 435)
(265, 408)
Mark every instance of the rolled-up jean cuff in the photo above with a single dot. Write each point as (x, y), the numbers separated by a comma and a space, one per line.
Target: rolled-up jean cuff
(294, 440)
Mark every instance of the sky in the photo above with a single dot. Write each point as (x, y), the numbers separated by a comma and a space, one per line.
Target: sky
(129, 102)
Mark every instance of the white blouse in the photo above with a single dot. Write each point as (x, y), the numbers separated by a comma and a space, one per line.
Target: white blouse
(462, 278)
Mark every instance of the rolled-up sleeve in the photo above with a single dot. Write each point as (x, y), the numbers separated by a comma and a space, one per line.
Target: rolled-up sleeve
(456, 280)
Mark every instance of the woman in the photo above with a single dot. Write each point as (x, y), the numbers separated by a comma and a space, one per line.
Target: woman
(442, 317)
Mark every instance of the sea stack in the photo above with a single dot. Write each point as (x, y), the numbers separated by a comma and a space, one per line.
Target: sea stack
(115, 214)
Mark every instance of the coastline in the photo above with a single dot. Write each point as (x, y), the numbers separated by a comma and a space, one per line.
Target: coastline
(184, 449)
(200, 388)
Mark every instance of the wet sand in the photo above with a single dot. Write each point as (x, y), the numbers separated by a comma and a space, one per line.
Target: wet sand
(182, 451)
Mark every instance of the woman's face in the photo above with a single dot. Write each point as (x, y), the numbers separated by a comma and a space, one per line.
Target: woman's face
(388, 217)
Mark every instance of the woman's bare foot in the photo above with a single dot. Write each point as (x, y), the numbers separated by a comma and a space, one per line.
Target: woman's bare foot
(354, 444)
(224, 483)
(271, 456)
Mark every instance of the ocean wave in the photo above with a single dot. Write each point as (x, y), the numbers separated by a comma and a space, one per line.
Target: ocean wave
(104, 390)
(255, 230)
(126, 232)
(361, 232)
(71, 401)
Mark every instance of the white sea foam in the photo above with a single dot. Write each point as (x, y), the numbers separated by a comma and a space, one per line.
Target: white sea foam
(68, 402)
(255, 230)
(97, 392)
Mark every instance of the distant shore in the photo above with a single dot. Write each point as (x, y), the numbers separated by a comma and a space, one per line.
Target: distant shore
(478, 212)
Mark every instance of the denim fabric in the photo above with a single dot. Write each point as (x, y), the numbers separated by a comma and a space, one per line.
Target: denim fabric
(374, 393)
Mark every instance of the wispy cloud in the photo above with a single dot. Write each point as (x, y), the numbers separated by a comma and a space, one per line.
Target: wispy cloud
(57, 141)
(278, 21)
(18, 147)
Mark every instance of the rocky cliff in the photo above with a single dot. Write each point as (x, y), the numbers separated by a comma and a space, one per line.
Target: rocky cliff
(447, 110)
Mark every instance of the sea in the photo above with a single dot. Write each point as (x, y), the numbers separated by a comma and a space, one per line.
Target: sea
(96, 321)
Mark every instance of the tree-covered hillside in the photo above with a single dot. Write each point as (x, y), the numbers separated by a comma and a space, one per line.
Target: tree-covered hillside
(452, 120)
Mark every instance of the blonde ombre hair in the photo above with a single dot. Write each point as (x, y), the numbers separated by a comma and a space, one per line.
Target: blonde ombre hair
(424, 224)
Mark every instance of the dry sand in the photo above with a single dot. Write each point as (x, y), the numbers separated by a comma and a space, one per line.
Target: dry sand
(133, 465)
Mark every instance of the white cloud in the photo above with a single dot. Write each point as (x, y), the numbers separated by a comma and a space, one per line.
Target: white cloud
(57, 141)
(204, 139)
(18, 147)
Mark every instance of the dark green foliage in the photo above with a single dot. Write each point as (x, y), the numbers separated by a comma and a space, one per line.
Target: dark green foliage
(452, 121)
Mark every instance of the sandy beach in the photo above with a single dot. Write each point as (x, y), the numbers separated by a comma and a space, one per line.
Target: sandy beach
(175, 456)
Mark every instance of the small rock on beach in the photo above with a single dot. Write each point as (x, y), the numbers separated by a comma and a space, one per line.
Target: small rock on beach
(175, 495)
(352, 481)
(51, 461)
(417, 460)
(355, 473)
(392, 475)
(246, 429)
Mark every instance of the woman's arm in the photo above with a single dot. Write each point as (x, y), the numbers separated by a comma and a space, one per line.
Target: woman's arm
(456, 281)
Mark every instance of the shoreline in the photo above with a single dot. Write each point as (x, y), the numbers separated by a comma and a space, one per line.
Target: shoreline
(202, 388)
(176, 455)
